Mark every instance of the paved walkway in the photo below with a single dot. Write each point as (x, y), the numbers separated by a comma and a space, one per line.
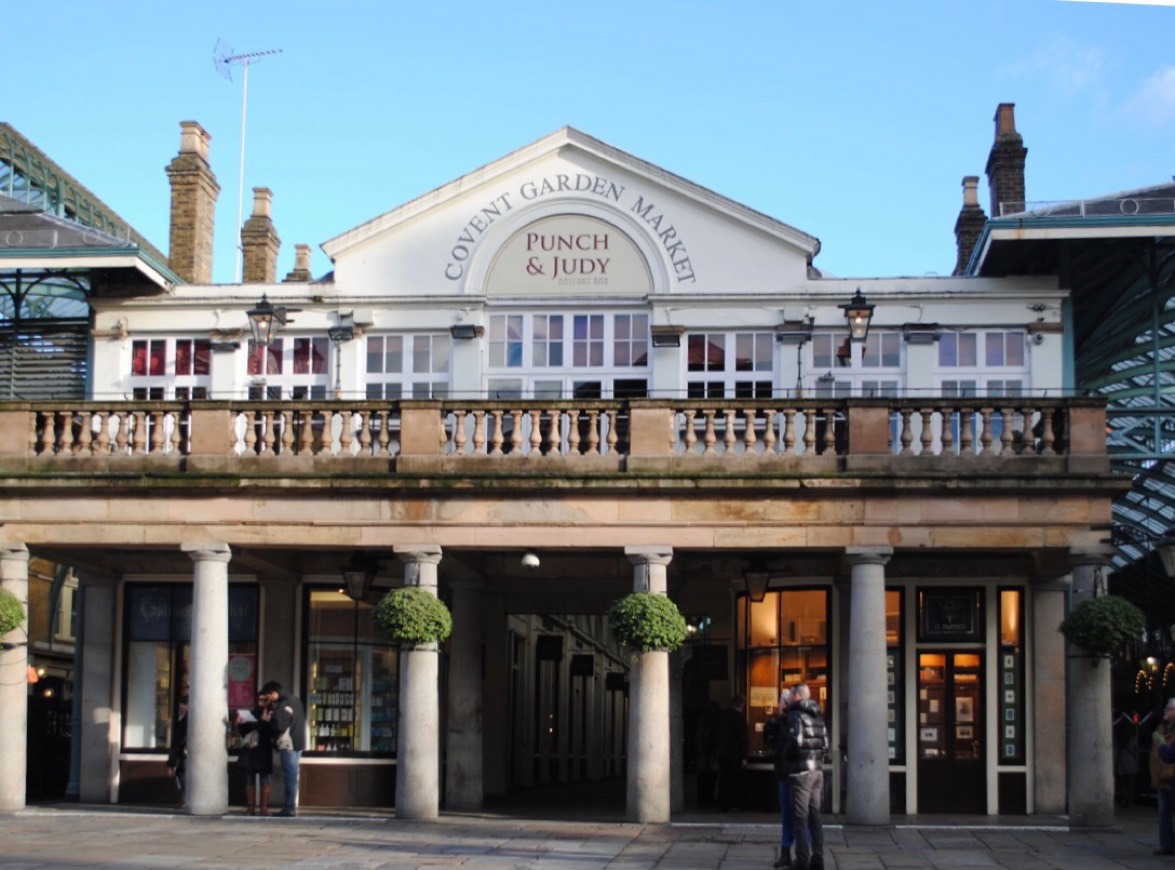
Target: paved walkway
(71, 835)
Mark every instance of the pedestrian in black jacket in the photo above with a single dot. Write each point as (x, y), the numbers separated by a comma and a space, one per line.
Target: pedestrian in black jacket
(806, 744)
(289, 728)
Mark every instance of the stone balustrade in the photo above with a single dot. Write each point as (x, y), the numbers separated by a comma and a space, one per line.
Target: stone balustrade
(604, 432)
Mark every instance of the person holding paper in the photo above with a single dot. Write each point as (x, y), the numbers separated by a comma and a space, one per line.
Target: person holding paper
(256, 753)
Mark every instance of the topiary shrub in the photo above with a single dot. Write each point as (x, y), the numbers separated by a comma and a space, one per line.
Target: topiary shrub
(412, 615)
(11, 612)
(647, 622)
(1103, 625)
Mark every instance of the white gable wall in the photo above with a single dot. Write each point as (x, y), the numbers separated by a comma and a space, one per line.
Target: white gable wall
(694, 242)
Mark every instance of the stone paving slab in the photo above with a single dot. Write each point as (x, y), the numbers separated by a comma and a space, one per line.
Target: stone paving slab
(72, 836)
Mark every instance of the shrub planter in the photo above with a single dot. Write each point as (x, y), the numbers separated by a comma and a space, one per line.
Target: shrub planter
(1102, 626)
(413, 616)
(11, 612)
(647, 622)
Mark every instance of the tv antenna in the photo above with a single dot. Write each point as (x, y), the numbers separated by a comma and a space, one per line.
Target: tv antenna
(223, 59)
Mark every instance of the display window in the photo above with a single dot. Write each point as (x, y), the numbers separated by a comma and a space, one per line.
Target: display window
(782, 641)
(157, 652)
(352, 677)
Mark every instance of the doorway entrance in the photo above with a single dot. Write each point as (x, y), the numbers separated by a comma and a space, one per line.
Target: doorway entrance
(951, 740)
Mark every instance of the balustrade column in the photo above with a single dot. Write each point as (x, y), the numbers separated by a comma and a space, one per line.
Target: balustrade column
(14, 662)
(207, 764)
(868, 739)
(464, 784)
(649, 777)
(417, 733)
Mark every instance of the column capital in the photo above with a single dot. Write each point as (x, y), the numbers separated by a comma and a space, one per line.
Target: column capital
(868, 555)
(1096, 555)
(14, 551)
(428, 553)
(212, 551)
(649, 555)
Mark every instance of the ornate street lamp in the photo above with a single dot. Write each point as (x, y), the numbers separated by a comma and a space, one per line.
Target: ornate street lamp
(266, 320)
(359, 574)
(858, 311)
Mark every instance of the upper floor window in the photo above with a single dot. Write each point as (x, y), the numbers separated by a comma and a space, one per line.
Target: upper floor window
(408, 366)
(716, 373)
(289, 368)
(170, 368)
(550, 356)
(961, 350)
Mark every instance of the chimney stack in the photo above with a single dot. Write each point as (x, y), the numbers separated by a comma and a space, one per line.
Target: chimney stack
(301, 271)
(969, 224)
(193, 206)
(259, 241)
(1005, 164)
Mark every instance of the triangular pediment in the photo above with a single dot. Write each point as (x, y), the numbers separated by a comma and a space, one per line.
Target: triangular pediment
(497, 231)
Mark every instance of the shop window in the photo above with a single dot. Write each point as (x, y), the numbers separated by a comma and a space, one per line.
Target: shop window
(1011, 679)
(158, 624)
(895, 689)
(782, 641)
(353, 680)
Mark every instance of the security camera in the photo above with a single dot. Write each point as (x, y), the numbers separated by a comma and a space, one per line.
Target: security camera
(1038, 338)
(530, 561)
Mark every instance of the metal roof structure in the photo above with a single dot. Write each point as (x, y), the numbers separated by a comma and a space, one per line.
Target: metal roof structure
(1116, 254)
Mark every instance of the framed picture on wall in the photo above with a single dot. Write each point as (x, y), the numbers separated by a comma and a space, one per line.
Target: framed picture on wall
(964, 710)
(964, 732)
(928, 735)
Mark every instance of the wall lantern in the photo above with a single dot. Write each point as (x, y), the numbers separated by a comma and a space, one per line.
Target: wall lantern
(858, 312)
(666, 336)
(341, 333)
(267, 320)
(755, 582)
(466, 331)
(359, 574)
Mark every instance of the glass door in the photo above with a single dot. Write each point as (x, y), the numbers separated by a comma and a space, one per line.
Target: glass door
(951, 774)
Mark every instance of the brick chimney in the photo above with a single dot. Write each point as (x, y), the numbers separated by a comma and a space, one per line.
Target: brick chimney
(259, 241)
(1005, 164)
(969, 223)
(301, 271)
(193, 206)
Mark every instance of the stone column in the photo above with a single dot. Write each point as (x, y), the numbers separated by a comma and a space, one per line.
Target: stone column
(868, 742)
(97, 731)
(417, 738)
(648, 727)
(207, 765)
(14, 663)
(1049, 704)
(496, 716)
(1089, 704)
(464, 775)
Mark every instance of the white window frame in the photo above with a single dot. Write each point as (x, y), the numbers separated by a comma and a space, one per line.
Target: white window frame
(425, 363)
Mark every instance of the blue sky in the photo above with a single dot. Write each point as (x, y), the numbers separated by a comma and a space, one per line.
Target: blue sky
(854, 122)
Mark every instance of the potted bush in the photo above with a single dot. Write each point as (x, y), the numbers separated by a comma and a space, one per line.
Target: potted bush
(412, 615)
(11, 612)
(647, 622)
(1101, 626)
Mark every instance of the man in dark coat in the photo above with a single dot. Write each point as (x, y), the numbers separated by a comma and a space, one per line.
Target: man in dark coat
(805, 745)
(289, 718)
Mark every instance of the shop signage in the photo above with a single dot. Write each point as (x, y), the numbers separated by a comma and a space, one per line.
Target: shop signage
(950, 615)
(581, 263)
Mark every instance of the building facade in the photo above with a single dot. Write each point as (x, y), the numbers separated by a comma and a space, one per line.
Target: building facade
(565, 376)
